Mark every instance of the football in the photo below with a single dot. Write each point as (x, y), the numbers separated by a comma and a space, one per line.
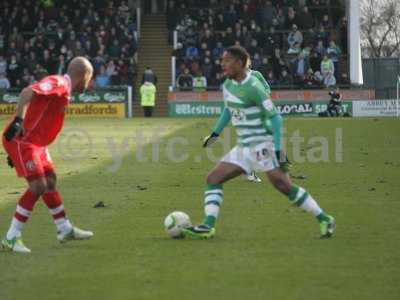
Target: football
(175, 222)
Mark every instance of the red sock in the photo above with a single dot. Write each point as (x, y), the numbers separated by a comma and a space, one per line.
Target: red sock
(25, 206)
(54, 202)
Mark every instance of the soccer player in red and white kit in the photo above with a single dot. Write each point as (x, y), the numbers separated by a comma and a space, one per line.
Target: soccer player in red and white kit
(39, 119)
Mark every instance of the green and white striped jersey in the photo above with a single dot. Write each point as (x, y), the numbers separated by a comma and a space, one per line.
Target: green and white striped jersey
(250, 105)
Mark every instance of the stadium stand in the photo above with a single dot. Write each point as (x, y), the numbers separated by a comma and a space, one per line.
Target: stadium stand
(293, 43)
(104, 31)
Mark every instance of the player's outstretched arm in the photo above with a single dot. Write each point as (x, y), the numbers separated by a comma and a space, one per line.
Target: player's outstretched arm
(223, 120)
(24, 99)
(277, 124)
(263, 100)
(16, 126)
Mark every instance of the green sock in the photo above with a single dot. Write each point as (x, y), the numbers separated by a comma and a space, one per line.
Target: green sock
(323, 217)
(293, 192)
(210, 221)
(300, 197)
(213, 198)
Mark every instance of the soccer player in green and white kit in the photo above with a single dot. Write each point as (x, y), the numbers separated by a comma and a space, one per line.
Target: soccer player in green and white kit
(258, 126)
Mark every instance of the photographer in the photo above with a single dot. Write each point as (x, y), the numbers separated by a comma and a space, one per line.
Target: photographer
(335, 104)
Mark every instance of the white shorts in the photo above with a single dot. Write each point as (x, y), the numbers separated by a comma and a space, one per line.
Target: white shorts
(259, 158)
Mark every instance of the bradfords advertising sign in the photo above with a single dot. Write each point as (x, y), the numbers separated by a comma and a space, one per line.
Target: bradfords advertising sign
(375, 108)
(12, 97)
(97, 103)
(110, 96)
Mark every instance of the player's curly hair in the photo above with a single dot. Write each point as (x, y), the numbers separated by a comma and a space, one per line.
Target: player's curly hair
(240, 53)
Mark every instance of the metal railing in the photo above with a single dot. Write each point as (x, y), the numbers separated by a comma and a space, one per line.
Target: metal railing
(398, 97)
(138, 22)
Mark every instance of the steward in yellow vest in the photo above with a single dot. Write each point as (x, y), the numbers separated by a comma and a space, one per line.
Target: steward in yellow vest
(148, 97)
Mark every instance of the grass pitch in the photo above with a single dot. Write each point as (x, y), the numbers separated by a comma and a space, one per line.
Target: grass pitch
(264, 248)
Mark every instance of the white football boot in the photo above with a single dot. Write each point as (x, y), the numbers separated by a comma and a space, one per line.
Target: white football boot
(14, 245)
(74, 234)
(253, 177)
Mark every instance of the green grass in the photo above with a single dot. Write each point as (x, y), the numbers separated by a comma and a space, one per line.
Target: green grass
(264, 248)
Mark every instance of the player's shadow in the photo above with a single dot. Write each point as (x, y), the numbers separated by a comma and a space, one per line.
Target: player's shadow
(141, 192)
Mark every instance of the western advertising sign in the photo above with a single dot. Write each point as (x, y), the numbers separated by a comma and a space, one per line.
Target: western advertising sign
(195, 109)
(97, 103)
(214, 108)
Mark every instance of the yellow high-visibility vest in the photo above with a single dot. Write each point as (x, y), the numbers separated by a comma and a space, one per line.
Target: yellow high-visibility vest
(47, 3)
(148, 94)
(326, 66)
(199, 83)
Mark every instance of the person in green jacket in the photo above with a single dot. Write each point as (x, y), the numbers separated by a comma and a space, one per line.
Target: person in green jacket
(148, 97)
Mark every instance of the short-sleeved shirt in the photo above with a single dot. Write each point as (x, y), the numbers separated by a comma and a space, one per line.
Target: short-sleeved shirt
(251, 107)
(44, 118)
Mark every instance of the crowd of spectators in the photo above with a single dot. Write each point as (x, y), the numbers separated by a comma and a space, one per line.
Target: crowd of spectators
(291, 42)
(40, 37)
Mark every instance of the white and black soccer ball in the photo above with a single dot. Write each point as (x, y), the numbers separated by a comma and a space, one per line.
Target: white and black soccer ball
(175, 222)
